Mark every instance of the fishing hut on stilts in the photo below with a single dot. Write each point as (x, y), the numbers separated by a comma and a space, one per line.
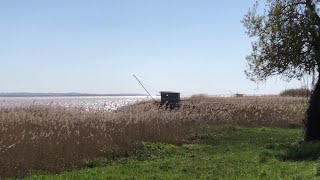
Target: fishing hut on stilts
(169, 99)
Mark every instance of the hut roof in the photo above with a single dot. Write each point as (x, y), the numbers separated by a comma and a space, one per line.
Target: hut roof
(170, 92)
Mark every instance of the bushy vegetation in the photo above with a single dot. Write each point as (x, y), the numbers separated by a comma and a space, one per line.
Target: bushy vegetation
(50, 138)
(300, 92)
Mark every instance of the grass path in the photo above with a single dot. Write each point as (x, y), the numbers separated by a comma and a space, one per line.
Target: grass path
(227, 153)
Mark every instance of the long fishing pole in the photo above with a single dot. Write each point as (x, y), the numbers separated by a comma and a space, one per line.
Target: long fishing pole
(144, 87)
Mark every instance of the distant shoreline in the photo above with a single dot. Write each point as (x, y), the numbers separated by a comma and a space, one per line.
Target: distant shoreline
(65, 94)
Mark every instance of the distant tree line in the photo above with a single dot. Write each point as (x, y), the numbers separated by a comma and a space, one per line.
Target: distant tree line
(299, 92)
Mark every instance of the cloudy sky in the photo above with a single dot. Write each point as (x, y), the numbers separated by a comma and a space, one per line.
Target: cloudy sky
(190, 46)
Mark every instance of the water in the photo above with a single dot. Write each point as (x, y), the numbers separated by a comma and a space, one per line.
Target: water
(108, 103)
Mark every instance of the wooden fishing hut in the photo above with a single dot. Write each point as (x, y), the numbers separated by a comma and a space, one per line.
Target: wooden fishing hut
(169, 98)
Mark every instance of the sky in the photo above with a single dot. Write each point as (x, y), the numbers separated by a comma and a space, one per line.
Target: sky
(189, 46)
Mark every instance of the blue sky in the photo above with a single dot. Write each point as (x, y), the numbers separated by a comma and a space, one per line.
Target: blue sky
(190, 46)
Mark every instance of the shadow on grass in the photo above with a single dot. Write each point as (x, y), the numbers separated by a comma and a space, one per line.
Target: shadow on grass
(299, 152)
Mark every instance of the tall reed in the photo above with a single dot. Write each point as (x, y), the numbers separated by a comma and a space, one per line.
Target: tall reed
(52, 138)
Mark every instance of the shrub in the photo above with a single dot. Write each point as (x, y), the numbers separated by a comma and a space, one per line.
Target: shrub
(300, 92)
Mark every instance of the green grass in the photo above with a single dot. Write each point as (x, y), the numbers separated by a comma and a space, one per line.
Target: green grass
(214, 153)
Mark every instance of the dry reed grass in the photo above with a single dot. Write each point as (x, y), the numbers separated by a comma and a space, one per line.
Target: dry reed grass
(50, 138)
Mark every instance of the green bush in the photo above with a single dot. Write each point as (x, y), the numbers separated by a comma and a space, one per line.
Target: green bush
(300, 92)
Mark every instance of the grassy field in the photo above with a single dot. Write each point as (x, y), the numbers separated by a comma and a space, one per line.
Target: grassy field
(55, 139)
(215, 153)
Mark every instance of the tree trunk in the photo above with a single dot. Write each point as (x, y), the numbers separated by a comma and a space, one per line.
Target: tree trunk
(312, 121)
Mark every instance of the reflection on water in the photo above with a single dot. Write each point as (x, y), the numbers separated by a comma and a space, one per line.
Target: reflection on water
(93, 102)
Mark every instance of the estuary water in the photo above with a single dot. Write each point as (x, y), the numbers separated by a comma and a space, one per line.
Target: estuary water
(108, 103)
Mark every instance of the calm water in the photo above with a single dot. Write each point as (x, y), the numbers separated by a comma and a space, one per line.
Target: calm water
(93, 102)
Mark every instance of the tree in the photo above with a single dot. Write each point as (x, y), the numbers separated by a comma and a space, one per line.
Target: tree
(287, 43)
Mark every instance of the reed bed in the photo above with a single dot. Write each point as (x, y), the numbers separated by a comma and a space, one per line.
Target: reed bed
(52, 138)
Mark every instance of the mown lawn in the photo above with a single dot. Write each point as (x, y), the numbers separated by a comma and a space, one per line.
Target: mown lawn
(214, 153)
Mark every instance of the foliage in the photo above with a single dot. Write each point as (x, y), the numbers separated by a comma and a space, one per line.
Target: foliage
(288, 36)
(223, 152)
(301, 92)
